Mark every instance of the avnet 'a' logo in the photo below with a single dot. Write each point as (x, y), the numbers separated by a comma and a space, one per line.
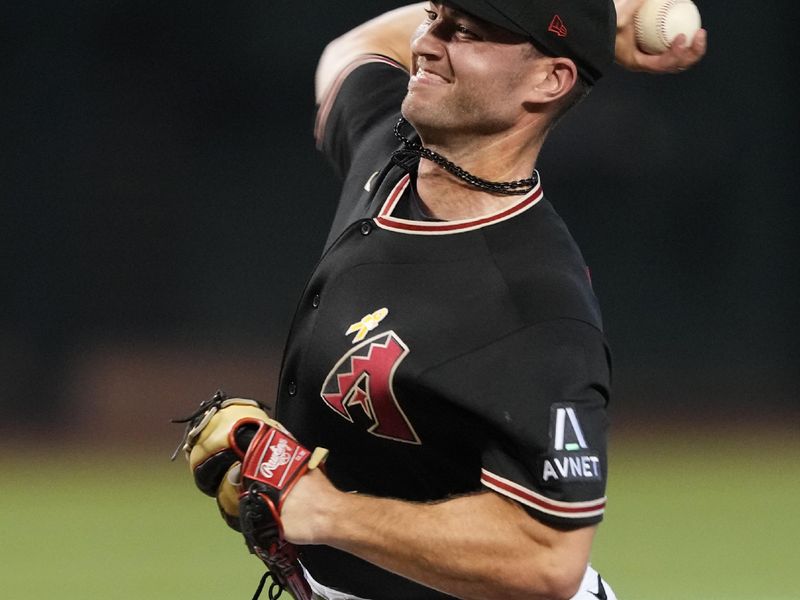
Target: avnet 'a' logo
(568, 434)
(363, 378)
(279, 457)
(570, 457)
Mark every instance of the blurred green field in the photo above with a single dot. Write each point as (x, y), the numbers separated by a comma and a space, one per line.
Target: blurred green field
(702, 517)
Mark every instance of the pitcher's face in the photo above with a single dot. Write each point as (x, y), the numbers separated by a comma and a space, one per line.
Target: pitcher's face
(468, 76)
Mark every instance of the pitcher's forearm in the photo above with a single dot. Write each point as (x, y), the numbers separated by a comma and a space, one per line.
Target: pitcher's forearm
(388, 34)
(481, 546)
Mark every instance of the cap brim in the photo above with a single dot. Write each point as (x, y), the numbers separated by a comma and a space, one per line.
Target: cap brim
(485, 11)
(534, 19)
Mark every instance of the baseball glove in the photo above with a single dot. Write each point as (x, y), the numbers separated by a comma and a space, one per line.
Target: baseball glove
(216, 438)
(221, 436)
(273, 464)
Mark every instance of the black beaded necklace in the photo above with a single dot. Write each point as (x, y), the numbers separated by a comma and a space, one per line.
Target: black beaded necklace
(510, 188)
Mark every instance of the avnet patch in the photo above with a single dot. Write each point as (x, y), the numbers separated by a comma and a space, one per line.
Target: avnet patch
(571, 468)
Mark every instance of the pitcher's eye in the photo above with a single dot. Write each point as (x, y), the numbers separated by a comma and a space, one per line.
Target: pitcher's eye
(465, 31)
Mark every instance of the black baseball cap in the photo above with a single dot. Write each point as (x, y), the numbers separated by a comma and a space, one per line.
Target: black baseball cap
(583, 30)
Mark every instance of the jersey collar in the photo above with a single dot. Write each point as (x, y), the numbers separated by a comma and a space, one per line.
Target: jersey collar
(385, 220)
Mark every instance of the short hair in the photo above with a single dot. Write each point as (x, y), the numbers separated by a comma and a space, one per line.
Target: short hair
(575, 96)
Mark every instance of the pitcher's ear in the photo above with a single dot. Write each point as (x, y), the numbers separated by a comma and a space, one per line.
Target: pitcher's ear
(554, 79)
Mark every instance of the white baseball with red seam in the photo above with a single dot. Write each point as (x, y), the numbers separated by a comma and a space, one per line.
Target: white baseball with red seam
(658, 22)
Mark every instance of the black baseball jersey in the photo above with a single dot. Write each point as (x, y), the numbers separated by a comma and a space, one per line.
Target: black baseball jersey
(437, 358)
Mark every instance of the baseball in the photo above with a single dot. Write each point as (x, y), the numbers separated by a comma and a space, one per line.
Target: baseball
(658, 22)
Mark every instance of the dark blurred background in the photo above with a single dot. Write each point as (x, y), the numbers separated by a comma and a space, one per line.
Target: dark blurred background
(163, 204)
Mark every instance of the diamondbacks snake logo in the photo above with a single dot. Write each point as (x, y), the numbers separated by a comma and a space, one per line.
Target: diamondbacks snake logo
(362, 380)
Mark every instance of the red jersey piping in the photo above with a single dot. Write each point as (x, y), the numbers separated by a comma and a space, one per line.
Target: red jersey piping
(558, 508)
(385, 219)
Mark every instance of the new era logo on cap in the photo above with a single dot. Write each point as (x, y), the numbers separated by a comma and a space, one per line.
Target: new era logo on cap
(557, 26)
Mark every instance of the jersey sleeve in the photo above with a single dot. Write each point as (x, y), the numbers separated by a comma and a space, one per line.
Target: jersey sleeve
(541, 395)
(366, 95)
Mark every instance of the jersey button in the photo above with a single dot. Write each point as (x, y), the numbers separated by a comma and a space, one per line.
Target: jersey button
(316, 300)
(291, 388)
(366, 228)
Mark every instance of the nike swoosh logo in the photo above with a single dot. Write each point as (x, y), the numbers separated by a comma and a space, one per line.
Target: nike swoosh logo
(600, 594)
(368, 185)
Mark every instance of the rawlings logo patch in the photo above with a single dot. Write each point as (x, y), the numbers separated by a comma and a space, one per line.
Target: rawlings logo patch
(280, 456)
(273, 458)
(362, 379)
